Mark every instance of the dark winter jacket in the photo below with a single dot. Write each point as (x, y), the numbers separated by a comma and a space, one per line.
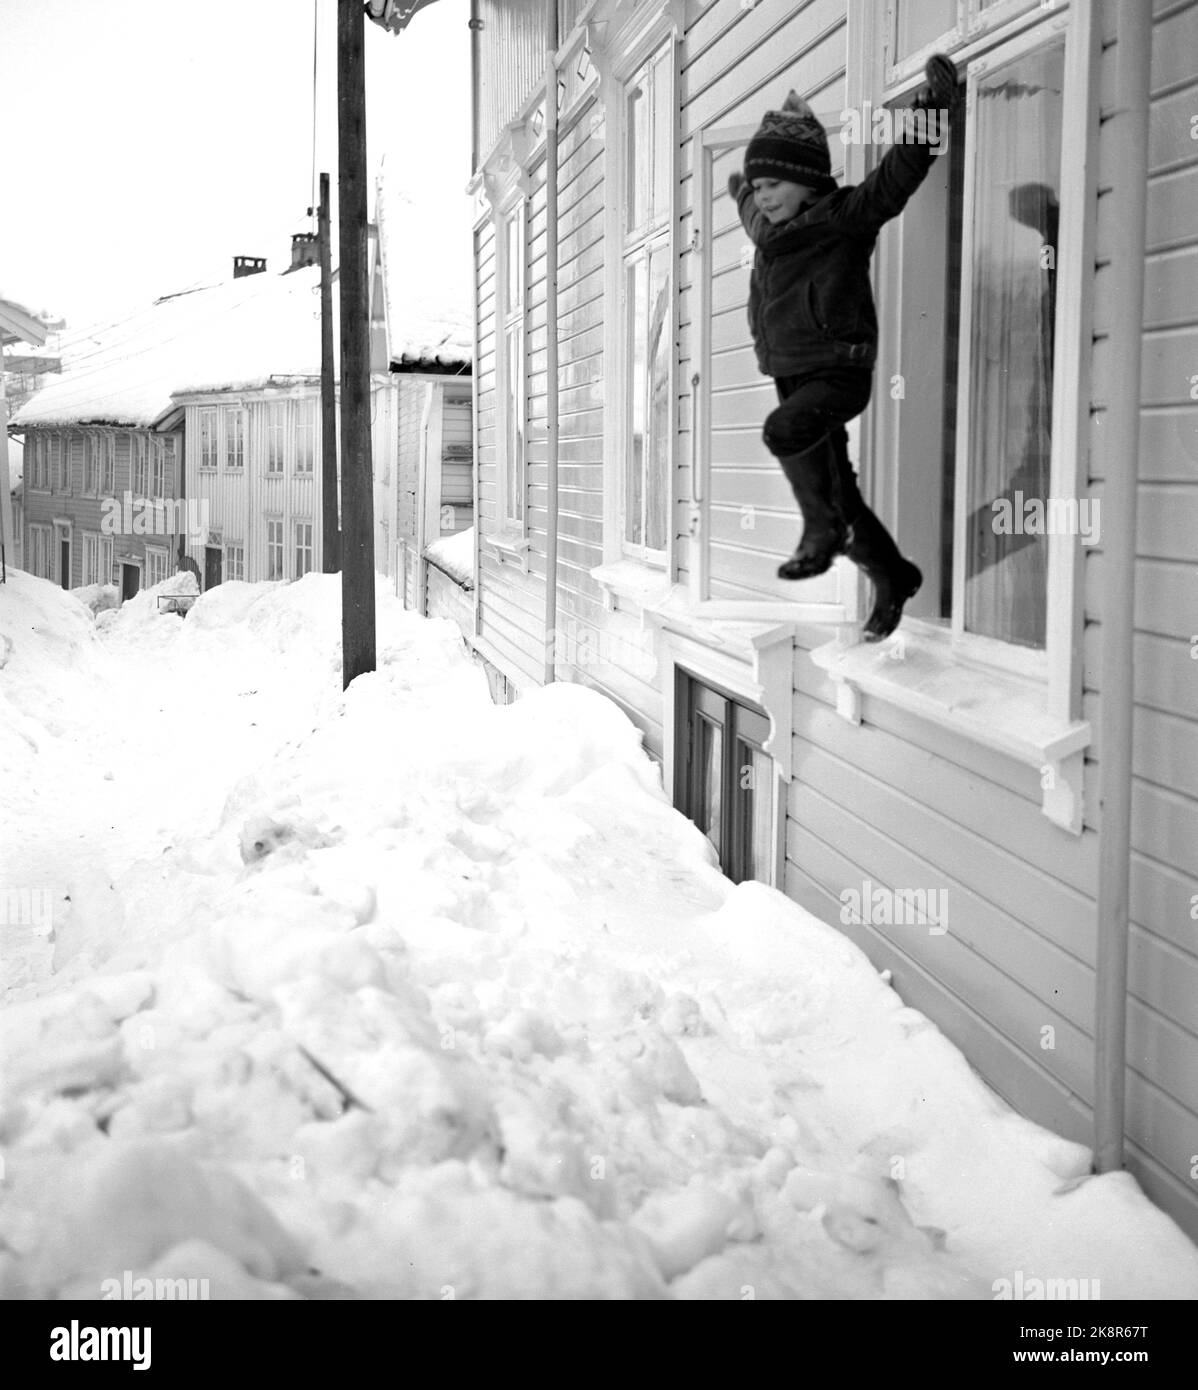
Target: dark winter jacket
(810, 302)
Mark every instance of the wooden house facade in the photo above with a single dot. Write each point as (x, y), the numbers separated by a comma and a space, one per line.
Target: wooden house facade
(103, 505)
(1022, 752)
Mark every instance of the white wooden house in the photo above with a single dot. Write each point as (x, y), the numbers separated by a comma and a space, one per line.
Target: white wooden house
(1025, 745)
(422, 359)
(252, 425)
(17, 325)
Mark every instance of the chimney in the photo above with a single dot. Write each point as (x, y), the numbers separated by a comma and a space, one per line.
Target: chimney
(248, 265)
(305, 250)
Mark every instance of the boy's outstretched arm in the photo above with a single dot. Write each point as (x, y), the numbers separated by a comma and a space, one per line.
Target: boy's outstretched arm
(884, 192)
(752, 219)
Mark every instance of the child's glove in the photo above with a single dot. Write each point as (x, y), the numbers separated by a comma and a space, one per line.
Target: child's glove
(940, 90)
(736, 181)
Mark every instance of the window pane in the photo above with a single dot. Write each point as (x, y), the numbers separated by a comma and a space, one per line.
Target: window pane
(634, 494)
(513, 261)
(657, 479)
(1016, 206)
(710, 754)
(756, 774)
(515, 426)
(919, 22)
(662, 141)
(638, 148)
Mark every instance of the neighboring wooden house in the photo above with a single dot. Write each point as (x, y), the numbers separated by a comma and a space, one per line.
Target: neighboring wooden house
(102, 499)
(17, 325)
(422, 351)
(630, 520)
(253, 429)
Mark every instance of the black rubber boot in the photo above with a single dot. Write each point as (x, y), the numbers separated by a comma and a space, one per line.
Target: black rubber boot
(895, 579)
(812, 476)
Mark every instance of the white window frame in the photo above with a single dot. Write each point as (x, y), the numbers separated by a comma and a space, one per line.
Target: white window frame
(157, 557)
(274, 429)
(510, 320)
(140, 466)
(271, 543)
(91, 463)
(236, 432)
(1024, 704)
(233, 560)
(300, 549)
(91, 557)
(108, 463)
(208, 438)
(40, 550)
(158, 467)
(635, 576)
(306, 422)
(974, 23)
(757, 667)
(106, 559)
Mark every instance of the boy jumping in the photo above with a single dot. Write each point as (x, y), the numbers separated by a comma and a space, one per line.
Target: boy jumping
(811, 313)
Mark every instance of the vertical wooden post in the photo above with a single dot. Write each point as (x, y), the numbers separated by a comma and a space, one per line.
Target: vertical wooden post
(357, 501)
(330, 548)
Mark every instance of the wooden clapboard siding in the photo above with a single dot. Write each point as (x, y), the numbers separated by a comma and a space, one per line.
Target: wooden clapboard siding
(515, 29)
(457, 466)
(86, 511)
(410, 407)
(1162, 1022)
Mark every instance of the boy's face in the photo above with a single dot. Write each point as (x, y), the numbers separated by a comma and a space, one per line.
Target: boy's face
(779, 199)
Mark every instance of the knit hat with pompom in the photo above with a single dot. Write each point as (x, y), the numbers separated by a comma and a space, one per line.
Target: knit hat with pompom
(791, 144)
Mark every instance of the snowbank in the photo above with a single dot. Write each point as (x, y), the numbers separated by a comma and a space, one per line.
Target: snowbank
(455, 556)
(412, 996)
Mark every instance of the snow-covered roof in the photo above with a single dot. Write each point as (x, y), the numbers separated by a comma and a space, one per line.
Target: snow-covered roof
(241, 334)
(427, 266)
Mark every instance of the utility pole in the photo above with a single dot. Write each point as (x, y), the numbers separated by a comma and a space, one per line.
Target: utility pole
(330, 529)
(357, 501)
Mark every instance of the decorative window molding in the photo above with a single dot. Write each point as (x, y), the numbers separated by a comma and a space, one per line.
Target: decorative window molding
(917, 670)
(638, 66)
(1021, 700)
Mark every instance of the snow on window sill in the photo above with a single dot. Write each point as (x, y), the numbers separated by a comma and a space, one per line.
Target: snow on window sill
(632, 580)
(1000, 710)
(509, 547)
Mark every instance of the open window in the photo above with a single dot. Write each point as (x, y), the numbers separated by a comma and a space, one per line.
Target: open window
(977, 433)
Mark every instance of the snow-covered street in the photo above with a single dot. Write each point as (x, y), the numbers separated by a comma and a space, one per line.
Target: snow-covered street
(400, 994)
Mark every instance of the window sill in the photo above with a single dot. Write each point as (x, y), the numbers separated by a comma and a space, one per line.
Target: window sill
(634, 582)
(919, 672)
(509, 548)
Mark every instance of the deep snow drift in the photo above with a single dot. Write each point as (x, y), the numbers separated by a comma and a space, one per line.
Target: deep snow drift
(398, 994)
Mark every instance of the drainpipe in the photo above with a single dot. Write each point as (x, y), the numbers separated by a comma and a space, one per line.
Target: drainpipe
(551, 383)
(475, 25)
(1133, 55)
